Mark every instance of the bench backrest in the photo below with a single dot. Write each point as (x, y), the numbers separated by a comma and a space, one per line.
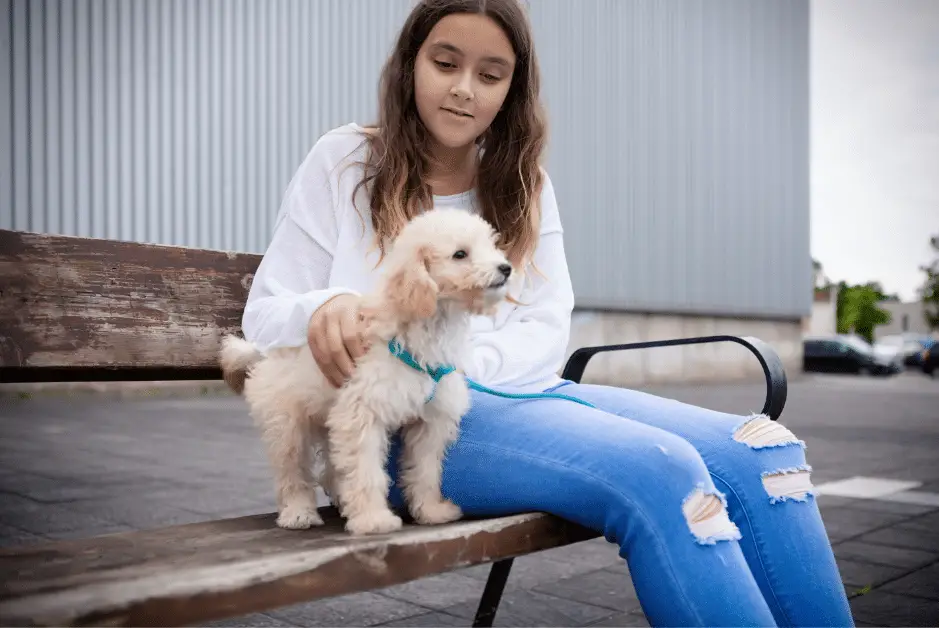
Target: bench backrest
(84, 309)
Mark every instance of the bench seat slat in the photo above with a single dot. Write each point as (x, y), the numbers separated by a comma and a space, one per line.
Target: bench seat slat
(212, 570)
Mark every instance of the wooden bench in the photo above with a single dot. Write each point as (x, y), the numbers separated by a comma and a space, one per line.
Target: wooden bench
(80, 309)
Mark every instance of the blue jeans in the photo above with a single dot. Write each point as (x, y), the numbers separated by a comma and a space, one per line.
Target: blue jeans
(627, 469)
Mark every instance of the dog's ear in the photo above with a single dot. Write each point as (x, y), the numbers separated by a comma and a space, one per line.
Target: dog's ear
(412, 291)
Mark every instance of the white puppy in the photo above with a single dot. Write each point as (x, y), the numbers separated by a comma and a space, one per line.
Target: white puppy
(443, 267)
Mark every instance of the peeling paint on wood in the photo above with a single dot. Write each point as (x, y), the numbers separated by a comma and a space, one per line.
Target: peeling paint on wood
(69, 303)
(204, 571)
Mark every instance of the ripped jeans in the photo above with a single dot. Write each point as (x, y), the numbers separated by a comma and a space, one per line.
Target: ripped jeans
(714, 513)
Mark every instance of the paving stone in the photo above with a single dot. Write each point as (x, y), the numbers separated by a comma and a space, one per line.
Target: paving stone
(857, 574)
(861, 519)
(44, 519)
(926, 522)
(438, 592)
(887, 609)
(904, 536)
(430, 620)
(623, 620)
(833, 501)
(527, 608)
(604, 588)
(213, 500)
(532, 570)
(140, 513)
(844, 523)
(922, 583)
(883, 554)
(357, 609)
(60, 490)
(593, 554)
(256, 620)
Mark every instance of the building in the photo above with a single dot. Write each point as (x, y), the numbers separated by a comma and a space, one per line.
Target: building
(679, 147)
(905, 317)
(823, 319)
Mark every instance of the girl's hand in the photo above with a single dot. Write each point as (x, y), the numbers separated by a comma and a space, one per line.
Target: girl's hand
(336, 337)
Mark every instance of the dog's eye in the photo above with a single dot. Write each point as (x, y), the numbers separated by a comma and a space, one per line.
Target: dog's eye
(459, 254)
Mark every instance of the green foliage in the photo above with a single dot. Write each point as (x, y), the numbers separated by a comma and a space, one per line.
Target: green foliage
(929, 293)
(857, 309)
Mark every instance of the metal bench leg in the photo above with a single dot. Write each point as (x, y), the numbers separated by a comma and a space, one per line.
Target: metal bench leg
(492, 594)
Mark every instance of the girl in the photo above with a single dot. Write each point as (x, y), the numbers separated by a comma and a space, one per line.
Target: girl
(713, 513)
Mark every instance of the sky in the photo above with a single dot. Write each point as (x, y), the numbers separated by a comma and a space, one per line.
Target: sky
(875, 140)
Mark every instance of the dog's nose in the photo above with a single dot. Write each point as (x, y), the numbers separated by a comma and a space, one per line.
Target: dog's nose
(505, 269)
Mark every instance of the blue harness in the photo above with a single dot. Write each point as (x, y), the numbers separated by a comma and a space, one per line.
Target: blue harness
(439, 372)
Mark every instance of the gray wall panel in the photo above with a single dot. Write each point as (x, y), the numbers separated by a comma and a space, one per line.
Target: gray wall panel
(680, 151)
(679, 145)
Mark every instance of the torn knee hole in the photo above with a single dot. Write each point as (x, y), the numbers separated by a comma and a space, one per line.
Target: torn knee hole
(706, 514)
(788, 484)
(760, 431)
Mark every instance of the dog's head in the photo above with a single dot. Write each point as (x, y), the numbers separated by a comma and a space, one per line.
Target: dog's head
(446, 255)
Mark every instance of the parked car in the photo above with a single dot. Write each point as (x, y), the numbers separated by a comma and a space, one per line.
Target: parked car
(910, 345)
(845, 354)
(930, 362)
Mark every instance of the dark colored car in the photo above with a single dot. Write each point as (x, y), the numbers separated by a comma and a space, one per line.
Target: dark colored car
(929, 346)
(930, 361)
(838, 354)
(911, 346)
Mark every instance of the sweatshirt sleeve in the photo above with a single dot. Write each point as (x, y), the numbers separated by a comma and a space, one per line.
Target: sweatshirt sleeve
(532, 343)
(292, 280)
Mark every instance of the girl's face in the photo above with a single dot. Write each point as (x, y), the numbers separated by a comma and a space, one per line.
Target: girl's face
(462, 75)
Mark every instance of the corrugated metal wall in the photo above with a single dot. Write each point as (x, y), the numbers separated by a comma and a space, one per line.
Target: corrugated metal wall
(151, 120)
(679, 146)
(680, 151)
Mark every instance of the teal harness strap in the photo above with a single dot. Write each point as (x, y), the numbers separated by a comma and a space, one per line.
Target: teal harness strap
(437, 373)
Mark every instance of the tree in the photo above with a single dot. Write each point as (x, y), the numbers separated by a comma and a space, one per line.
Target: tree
(857, 309)
(929, 293)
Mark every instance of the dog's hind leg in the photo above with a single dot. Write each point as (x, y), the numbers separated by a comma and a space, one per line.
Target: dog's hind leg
(288, 444)
(425, 444)
(358, 449)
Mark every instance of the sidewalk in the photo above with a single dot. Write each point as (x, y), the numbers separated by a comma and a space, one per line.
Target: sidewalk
(82, 465)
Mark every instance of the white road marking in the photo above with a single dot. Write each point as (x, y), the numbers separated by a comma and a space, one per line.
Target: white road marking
(883, 489)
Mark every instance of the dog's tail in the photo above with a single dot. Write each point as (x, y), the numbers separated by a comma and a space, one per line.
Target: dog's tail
(236, 357)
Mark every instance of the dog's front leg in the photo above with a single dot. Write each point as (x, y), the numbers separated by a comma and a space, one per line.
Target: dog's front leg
(425, 446)
(358, 449)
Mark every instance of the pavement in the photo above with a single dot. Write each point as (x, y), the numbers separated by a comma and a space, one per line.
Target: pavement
(79, 465)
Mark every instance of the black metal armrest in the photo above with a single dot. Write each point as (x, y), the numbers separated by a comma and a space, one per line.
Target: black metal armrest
(776, 385)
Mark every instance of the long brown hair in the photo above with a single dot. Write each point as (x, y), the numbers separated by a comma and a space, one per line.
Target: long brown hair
(509, 176)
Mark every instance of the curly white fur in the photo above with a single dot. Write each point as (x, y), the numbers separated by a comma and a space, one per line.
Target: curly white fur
(425, 299)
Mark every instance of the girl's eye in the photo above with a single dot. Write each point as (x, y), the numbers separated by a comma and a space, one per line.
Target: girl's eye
(459, 254)
(491, 78)
(444, 64)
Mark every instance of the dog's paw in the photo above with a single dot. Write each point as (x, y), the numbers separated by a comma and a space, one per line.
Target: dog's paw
(380, 522)
(436, 512)
(299, 517)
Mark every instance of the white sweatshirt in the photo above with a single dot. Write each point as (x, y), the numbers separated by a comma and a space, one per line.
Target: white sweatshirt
(322, 247)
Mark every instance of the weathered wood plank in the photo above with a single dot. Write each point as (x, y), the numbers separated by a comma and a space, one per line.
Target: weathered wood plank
(204, 571)
(83, 309)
